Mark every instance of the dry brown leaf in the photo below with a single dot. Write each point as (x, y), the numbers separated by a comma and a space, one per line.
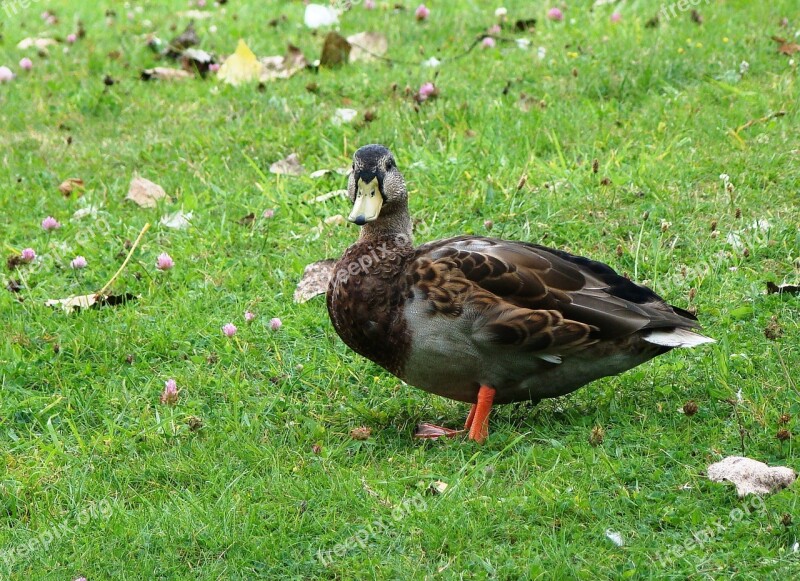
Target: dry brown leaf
(165, 74)
(367, 46)
(196, 60)
(283, 67)
(247, 220)
(71, 304)
(362, 433)
(751, 476)
(145, 193)
(69, 185)
(290, 165)
(316, 278)
(786, 47)
(241, 67)
(186, 39)
(335, 51)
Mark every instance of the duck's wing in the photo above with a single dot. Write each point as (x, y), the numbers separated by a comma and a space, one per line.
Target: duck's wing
(541, 298)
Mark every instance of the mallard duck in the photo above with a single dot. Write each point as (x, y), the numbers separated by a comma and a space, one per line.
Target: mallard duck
(482, 320)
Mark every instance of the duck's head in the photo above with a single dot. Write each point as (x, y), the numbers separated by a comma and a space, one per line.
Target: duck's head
(376, 187)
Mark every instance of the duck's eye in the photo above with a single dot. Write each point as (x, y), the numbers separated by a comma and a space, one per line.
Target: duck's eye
(389, 165)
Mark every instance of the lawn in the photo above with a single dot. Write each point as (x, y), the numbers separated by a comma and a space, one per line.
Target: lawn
(669, 151)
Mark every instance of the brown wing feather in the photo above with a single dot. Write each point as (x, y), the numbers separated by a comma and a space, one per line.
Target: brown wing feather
(536, 297)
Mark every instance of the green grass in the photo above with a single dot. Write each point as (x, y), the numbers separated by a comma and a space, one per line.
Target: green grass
(121, 487)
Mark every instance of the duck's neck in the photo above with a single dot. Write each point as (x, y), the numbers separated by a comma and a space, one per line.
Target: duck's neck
(396, 225)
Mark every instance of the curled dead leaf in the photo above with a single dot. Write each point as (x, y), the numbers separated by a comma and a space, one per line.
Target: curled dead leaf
(71, 304)
(786, 47)
(186, 39)
(290, 165)
(145, 193)
(69, 185)
(196, 60)
(751, 476)
(315, 280)
(283, 67)
(165, 74)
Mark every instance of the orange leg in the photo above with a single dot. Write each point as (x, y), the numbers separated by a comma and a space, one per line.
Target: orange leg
(478, 420)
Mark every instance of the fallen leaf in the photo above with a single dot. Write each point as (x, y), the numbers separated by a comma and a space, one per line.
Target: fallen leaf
(329, 195)
(367, 46)
(15, 260)
(751, 476)
(177, 220)
(69, 185)
(336, 219)
(195, 60)
(290, 165)
(247, 220)
(426, 430)
(362, 433)
(773, 331)
(786, 47)
(71, 304)
(241, 67)
(186, 39)
(40, 44)
(317, 15)
(773, 288)
(145, 193)
(283, 67)
(342, 116)
(335, 50)
(315, 280)
(438, 487)
(525, 25)
(165, 74)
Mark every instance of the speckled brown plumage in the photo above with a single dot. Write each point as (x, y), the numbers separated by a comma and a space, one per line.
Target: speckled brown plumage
(366, 297)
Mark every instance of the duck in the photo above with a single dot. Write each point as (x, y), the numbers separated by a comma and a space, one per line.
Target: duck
(482, 320)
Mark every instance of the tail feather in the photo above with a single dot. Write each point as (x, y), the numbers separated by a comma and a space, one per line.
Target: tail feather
(677, 338)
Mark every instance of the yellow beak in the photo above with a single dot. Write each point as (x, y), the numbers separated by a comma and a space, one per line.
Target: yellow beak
(367, 206)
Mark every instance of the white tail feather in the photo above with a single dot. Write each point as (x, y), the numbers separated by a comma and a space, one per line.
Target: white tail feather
(677, 338)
